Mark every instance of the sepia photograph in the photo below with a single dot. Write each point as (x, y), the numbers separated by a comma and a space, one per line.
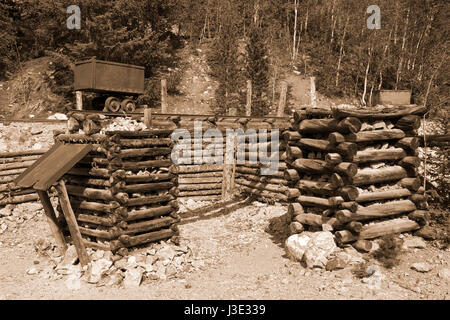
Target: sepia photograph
(225, 156)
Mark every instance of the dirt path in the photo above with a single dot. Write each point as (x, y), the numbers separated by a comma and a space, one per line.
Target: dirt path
(241, 261)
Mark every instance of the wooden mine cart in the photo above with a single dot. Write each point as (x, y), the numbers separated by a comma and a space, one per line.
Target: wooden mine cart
(117, 85)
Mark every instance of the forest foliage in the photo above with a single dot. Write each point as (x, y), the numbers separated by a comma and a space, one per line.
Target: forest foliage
(328, 39)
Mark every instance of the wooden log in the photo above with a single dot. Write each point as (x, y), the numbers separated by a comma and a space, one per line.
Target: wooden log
(310, 165)
(352, 206)
(262, 186)
(290, 136)
(264, 179)
(375, 135)
(144, 143)
(380, 155)
(347, 149)
(200, 192)
(294, 209)
(314, 202)
(100, 194)
(190, 181)
(310, 219)
(408, 143)
(203, 186)
(81, 138)
(346, 168)
(383, 195)
(335, 201)
(349, 193)
(149, 225)
(291, 175)
(335, 138)
(409, 122)
(387, 113)
(295, 227)
(201, 168)
(12, 172)
(52, 220)
(22, 153)
(293, 152)
(19, 199)
(344, 236)
(333, 159)
(90, 127)
(387, 227)
(95, 172)
(264, 193)
(142, 152)
(19, 159)
(148, 133)
(315, 144)
(99, 234)
(379, 210)
(142, 164)
(422, 217)
(336, 180)
(72, 223)
(146, 187)
(205, 198)
(146, 200)
(245, 170)
(16, 165)
(292, 193)
(316, 187)
(200, 175)
(354, 226)
(410, 183)
(370, 176)
(98, 246)
(349, 125)
(153, 177)
(409, 162)
(87, 181)
(149, 213)
(132, 241)
(11, 178)
(94, 206)
(101, 221)
(318, 126)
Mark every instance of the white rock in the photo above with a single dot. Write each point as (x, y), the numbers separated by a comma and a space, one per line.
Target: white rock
(32, 271)
(70, 256)
(444, 274)
(73, 281)
(318, 249)
(5, 212)
(350, 256)
(421, 267)
(133, 278)
(296, 245)
(166, 253)
(98, 255)
(98, 269)
(414, 242)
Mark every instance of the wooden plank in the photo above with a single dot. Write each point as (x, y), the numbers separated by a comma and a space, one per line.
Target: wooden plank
(72, 223)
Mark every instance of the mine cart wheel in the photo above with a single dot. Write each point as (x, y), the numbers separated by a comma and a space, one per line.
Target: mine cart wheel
(107, 101)
(113, 104)
(128, 105)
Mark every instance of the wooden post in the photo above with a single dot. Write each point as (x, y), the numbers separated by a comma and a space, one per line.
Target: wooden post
(228, 167)
(79, 97)
(313, 92)
(282, 104)
(72, 223)
(148, 117)
(52, 221)
(248, 106)
(163, 96)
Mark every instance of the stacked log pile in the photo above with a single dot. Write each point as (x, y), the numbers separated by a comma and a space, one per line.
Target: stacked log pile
(12, 164)
(254, 160)
(357, 173)
(124, 191)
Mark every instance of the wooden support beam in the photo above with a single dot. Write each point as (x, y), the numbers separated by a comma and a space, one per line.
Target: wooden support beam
(52, 220)
(72, 223)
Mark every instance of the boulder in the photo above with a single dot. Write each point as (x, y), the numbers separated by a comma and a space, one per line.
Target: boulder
(422, 267)
(335, 264)
(427, 233)
(97, 269)
(133, 277)
(350, 256)
(318, 249)
(444, 274)
(296, 245)
(414, 242)
(70, 257)
(363, 245)
(166, 253)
